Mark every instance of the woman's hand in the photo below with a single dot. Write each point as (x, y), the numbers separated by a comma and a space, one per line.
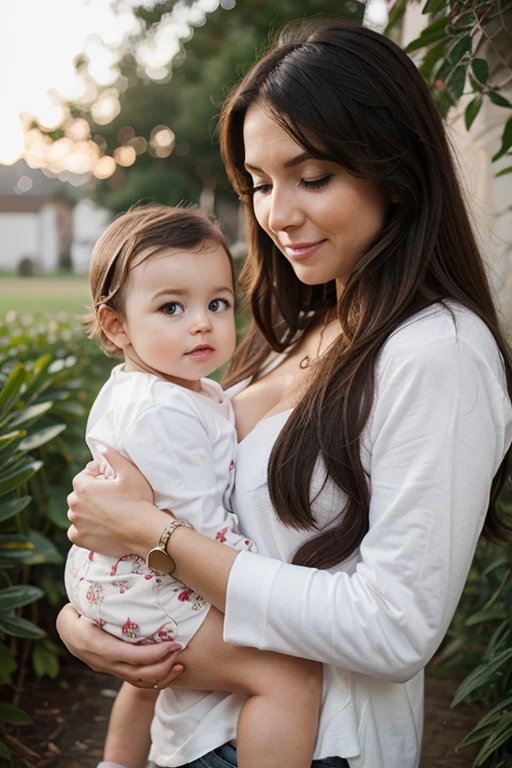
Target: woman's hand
(106, 512)
(145, 666)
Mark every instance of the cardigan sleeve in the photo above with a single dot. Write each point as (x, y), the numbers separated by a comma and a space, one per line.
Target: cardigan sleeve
(439, 428)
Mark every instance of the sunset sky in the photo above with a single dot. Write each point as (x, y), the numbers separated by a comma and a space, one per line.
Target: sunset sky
(39, 40)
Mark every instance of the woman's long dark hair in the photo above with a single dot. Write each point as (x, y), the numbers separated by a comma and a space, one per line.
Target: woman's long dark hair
(350, 95)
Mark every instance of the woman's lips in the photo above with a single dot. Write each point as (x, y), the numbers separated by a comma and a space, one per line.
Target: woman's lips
(302, 251)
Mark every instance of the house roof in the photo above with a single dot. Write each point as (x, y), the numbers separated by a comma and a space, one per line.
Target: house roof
(20, 181)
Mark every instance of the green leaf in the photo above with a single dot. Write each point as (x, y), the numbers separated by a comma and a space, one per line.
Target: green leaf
(37, 377)
(11, 388)
(10, 508)
(459, 49)
(431, 58)
(57, 508)
(475, 85)
(499, 100)
(503, 172)
(44, 551)
(13, 715)
(506, 141)
(480, 675)
(500, 735)
(37, 439)
(45, 659)
(29, 415)
(480, 69)
(8, 664)
(18, 627)
(501, 561)
(395, 14)
(431, 34)
(11, 451)
(434, 6)
(4, 751)
(472, 110)
(7, 439)
(9, 481)
(456, 80)
(69, 409)
(14, 541)
(480, 616)
(16, 597)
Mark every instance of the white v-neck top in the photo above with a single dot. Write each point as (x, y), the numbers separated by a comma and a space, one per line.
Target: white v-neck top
(440, 426)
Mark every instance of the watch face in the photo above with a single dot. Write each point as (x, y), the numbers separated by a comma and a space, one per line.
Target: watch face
(159, 560)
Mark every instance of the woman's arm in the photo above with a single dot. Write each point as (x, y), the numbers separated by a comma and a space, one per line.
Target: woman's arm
(143, 666)
(106, 517)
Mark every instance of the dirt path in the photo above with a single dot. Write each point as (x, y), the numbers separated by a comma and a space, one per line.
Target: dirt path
(71, 718)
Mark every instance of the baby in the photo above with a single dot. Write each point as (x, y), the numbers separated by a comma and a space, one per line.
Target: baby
(162, 281)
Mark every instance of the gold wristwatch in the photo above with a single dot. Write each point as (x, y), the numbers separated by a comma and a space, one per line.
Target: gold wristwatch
(158, 558)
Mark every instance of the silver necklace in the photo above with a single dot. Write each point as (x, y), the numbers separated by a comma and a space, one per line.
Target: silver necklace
(307, 361)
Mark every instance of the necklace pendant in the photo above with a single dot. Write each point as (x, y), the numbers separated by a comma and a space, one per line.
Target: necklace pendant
(305, 362)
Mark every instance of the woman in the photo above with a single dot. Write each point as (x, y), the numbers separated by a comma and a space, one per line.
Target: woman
(375, 428)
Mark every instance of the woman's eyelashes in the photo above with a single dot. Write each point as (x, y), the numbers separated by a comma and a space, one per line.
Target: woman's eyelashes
(264, 189)
(173, 308)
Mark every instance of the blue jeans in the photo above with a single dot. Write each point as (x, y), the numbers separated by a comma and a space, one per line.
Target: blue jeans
(225, 757)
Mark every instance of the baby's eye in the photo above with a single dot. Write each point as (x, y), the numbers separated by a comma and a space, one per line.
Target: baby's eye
(172, 308)
(218, 305)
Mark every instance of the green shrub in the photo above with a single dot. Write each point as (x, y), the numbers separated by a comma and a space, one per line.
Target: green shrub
(479, 645)
(49, 374)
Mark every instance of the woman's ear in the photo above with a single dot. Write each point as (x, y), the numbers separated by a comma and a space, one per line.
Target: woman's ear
(112, 326)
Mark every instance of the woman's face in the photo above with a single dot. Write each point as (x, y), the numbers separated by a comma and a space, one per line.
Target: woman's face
(319, 216)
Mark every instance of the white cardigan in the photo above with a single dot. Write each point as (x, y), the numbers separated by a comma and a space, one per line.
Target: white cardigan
(440, 426)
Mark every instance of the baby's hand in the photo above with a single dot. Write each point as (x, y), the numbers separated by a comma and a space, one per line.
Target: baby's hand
(106, 470)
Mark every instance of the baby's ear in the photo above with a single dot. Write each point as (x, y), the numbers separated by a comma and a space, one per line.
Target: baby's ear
(112, 326)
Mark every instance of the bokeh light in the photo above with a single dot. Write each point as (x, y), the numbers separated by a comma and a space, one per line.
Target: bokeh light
(104, 168)
(106, 107)
(125, 156)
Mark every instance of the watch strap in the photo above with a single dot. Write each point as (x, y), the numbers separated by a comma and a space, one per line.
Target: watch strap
(158, 558)
(169, 529)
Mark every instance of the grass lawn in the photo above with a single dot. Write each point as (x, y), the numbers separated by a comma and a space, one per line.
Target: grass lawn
(50, 294)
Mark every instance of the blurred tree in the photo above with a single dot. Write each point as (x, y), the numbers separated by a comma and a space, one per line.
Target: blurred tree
(168, 127)
(215, 57)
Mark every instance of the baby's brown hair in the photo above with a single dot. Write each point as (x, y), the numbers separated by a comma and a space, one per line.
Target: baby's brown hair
(129, 240)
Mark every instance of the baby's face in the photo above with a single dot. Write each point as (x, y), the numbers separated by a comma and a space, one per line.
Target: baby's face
(179, 313)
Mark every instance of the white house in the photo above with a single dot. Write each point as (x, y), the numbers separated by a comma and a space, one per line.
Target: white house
(35, 219)
(45, 223)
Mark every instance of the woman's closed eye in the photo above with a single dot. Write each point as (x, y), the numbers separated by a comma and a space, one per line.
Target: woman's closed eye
(219, 305)
(264, 189)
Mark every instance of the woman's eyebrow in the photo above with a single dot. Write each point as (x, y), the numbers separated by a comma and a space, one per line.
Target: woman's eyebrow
(288, 164)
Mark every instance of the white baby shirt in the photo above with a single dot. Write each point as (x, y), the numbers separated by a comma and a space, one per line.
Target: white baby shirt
(184, 442)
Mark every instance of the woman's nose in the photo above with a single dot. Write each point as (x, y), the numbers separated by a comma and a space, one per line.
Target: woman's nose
(284, 211)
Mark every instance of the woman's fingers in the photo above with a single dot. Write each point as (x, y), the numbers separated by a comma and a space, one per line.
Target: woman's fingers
(160, 674)
(168, 680)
